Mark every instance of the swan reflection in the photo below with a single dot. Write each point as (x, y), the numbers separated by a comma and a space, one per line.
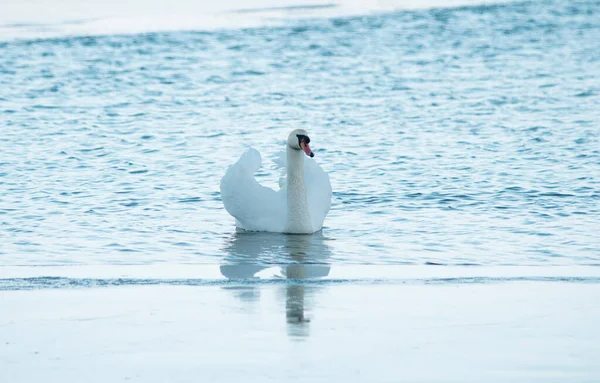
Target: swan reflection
(253, 255)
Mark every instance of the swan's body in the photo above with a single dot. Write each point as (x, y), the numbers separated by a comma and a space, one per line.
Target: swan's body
(299, 207)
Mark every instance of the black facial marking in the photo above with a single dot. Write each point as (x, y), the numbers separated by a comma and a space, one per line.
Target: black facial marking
(302, 137)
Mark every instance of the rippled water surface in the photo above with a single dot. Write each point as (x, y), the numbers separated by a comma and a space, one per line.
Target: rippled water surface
(452, 136)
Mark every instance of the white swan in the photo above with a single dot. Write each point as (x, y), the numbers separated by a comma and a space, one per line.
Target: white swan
(299, 207)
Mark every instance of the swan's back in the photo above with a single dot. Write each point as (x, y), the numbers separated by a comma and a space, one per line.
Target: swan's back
(259, 208)
(255, 207)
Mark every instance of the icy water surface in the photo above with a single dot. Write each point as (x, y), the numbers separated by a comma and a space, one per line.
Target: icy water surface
(452, 136)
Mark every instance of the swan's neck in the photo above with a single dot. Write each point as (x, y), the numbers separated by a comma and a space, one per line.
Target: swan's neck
(298, 219)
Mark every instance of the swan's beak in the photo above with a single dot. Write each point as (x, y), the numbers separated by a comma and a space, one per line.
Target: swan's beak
(307, 150)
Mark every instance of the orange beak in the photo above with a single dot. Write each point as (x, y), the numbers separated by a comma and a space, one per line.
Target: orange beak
(306, 149)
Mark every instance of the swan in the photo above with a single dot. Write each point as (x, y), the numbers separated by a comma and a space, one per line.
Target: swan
(298, 207)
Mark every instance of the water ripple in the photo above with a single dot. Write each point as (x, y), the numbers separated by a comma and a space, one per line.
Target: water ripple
(464, 135)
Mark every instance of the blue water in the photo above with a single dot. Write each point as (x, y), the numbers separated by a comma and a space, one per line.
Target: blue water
(461, 136)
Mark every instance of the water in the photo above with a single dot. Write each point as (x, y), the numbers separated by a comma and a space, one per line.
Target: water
(459, 136)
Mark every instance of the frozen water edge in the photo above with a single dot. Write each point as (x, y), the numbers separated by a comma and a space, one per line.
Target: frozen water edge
(521, 331)
(232, 274)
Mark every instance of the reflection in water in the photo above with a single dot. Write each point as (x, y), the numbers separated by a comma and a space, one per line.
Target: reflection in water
(294, 257)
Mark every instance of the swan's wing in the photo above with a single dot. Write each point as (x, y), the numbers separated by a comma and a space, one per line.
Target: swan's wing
(318, 191)
(318, 188)
(255, 207)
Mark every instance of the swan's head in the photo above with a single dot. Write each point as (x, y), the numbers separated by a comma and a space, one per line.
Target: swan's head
(299, 140)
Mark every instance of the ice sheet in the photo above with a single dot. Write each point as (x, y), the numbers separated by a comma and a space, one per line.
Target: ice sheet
(44, 19)
(519, 331)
